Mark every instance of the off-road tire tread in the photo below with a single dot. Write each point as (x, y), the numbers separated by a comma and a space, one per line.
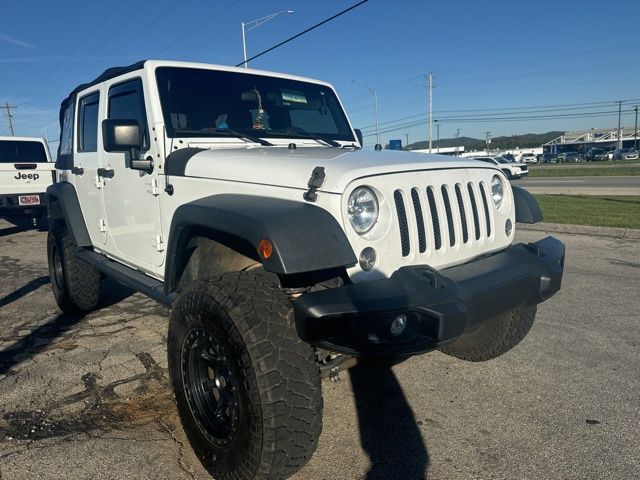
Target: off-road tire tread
(495, 337)
(81, 290)
(256, 313)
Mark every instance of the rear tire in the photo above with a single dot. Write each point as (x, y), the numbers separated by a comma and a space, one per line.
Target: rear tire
(75, 284)
(493, 337)
(247, 388)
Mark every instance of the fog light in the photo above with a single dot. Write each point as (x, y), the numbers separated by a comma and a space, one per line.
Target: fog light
(367, 259)
(398, 325)
(508, 227)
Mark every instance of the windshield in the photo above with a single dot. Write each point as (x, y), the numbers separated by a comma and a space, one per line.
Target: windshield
(15, 151)
(502, 160)
(209, 103)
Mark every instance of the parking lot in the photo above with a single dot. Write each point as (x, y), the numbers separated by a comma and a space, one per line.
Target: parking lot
(89, 398)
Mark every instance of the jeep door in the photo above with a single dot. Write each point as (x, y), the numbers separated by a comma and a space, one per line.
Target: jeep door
(86, 162)
(130, 196)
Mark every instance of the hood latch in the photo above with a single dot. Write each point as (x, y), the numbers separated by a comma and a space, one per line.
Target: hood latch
(315, 182)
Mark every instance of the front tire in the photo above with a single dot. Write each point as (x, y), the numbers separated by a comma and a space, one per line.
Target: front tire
(493, 337)
(75, 284)
(247, 388)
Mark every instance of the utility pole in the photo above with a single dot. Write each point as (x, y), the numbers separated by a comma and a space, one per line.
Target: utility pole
(635, 134)
(430, 77)
(619, 132)
(487, 140)
(8, 108)
(407, 135)
(457, 139)
(437, 136)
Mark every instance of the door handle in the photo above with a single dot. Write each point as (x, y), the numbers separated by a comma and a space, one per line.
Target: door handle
(105, 172)
(77, 170)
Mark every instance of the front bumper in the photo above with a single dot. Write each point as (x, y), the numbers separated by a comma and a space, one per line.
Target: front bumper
(439, 305)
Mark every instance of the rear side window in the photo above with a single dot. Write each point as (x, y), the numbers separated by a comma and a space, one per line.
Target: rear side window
(126, 102)
(88, 123)
(66, 132)
(15, 151)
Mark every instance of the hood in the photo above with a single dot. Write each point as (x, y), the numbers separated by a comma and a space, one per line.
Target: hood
(282, 167)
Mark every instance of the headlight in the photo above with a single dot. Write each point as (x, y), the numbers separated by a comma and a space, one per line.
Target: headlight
(497, 191)
(362, 209)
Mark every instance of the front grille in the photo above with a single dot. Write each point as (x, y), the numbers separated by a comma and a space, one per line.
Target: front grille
(486, 209)
(434, 218)
(403, 225)
(447, 209)
(460, 210)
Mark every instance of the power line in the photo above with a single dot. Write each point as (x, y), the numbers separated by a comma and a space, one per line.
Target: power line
(82, 42)
(302, 33)
(497, 113)
(200, 25)
(610, 113)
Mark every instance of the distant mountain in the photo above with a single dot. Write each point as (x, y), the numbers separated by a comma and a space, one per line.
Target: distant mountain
(528, 140)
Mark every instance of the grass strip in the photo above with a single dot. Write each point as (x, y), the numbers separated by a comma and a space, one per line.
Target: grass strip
(584, 171)
(621, 211)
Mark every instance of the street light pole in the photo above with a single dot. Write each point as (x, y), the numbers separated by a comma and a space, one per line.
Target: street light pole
(253, 24)
(635, 134)
(374, 92)
(619, 132)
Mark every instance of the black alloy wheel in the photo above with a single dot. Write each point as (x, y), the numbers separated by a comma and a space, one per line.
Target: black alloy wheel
(211, 387)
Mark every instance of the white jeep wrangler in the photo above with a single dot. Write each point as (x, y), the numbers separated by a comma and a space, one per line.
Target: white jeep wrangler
(243, 200)
(26, 170)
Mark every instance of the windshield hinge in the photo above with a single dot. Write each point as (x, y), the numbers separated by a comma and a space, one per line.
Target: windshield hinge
(315, 182)
(102, 225)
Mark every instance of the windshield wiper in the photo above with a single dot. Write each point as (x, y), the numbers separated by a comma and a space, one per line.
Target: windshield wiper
(299, 132)
(244, 136)
(225, 132)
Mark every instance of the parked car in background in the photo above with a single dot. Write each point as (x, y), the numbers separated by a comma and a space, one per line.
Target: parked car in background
(548, 158)
(510, 169)
(26, 170)
(625, 154)
(594, 154)
(572, 157)
(528, 158)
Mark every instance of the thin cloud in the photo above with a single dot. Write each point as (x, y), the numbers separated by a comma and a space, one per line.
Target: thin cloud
(15, 41)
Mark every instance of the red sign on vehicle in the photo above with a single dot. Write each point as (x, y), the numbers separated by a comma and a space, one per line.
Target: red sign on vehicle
(29, 200)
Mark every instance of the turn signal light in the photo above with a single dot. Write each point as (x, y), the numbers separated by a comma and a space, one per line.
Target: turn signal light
(265, 248)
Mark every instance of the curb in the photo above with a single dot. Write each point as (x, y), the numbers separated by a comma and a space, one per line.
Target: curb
(627, 233)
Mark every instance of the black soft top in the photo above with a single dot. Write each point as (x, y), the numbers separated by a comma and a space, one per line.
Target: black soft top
(66, 161)
(106, 75)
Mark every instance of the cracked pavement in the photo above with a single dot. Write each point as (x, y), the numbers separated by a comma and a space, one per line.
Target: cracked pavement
(89, 397)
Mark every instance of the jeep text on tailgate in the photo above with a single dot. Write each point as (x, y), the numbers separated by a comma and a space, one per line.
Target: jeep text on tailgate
(26, 171)
(244, 200)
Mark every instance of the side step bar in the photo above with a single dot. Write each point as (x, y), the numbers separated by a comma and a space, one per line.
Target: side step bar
(127, 276)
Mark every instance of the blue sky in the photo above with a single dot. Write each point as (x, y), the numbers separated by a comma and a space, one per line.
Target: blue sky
(493, 63)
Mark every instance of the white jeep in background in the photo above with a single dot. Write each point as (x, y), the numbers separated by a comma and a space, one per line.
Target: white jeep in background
(26, 170)
(528, 158)
(512, 170)
(244, 200)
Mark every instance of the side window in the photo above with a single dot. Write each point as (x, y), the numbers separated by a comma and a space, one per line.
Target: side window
(126, 102)
(66, 132)
(88, 123)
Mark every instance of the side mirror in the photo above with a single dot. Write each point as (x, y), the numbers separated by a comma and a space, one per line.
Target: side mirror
(125, 135)
(359, 135)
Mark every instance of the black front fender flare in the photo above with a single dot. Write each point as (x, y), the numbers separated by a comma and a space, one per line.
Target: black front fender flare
(63, 204)
(527, 208)
(305, 238)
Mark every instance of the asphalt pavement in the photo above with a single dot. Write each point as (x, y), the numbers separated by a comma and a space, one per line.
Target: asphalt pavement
(596, 185)
(89, 398)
